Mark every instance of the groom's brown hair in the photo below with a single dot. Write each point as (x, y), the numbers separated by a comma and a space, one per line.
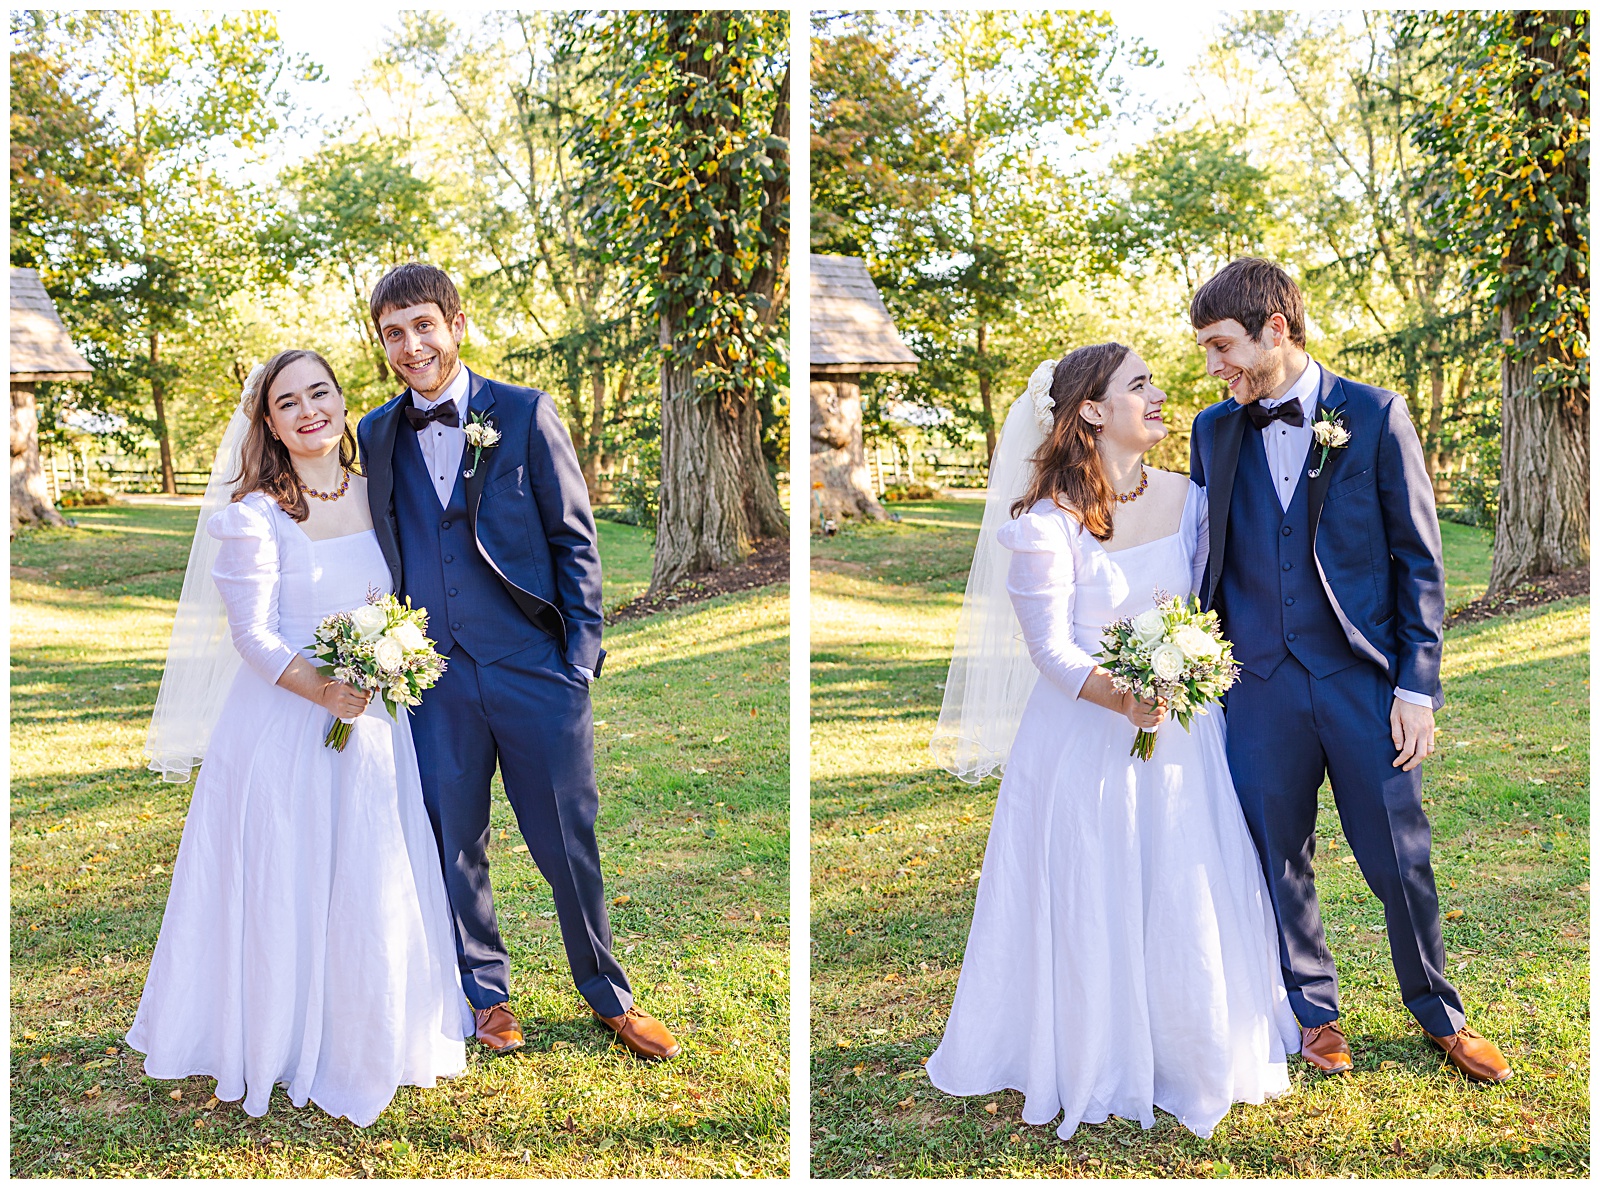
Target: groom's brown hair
(1250, 290)
(412, 284)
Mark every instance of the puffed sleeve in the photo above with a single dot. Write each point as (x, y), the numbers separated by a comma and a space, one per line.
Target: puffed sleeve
(1199, 511)
(1043, 588)
(246, 572)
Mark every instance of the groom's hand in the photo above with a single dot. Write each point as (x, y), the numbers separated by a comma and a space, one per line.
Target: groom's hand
(1411, 727)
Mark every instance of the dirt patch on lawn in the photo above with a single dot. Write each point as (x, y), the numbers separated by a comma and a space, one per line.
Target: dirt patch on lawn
(1536, 591)
(767, 566)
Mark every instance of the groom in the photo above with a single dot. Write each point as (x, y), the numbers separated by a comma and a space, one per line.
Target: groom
(492, 533)
(1325, 570)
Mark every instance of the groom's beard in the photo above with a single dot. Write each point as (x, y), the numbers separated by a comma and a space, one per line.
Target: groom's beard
(1256, 383)
(444, 369)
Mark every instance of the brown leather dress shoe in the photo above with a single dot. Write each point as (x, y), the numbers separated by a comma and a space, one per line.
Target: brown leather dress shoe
(642, 1033)
(497, 1028)
(1474, 1056)
(1326, 1048)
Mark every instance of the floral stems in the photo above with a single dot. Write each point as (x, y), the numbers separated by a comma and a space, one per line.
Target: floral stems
(338, 735)
(1144, 743)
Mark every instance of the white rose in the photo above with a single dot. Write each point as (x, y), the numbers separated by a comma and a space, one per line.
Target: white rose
(1148, 626)
(1167, 662)
(409, 637)
(388, 653)
(1331, 434)
(368, 621)
(1197, 645)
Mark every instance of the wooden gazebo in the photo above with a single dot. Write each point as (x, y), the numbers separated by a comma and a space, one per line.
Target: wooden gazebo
(41, 350)
(851, 333)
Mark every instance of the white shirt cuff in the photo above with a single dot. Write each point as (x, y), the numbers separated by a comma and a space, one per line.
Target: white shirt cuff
(1416, 699)
(588, 675)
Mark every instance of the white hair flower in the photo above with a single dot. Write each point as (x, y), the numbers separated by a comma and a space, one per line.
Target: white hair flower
(1038, 391)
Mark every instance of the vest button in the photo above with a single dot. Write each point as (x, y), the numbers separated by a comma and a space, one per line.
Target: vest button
(1290, 637)
(446, 524)
(451, 557)
(1286, 602)
(1288, 565)
(453, 593)
(455, 627)
(1286, 529)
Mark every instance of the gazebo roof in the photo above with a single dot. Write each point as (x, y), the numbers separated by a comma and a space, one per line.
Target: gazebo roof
(41, 349)
(851, 330)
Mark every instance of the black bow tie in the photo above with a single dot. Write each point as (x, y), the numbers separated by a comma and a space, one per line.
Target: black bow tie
(1289, 411)
(444, 413)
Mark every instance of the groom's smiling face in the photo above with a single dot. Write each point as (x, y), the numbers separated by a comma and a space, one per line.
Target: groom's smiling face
(423, 348)
(1252, 368)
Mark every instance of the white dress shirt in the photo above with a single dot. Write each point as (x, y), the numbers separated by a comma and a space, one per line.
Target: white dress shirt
(1287, 448)
(1288, 445)
(443, 445)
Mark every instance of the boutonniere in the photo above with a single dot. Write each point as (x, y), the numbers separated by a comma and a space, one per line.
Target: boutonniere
(1328, 431)
(481, 435)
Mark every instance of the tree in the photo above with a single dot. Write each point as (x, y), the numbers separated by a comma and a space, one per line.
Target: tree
(358, 210)
(690, 150)
(999, 223)
(518, 86)
(169, 240)
(1194, 196)
(1507, 146)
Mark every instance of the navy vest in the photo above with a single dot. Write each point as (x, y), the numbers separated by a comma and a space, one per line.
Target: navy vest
(442, 569)
(1270, 580)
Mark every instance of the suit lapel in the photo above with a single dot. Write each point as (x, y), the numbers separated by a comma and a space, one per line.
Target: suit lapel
(480, 401)
(380, 482)
(1330, 398)
(1219, 491)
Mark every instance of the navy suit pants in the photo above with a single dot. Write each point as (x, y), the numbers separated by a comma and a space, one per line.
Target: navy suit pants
(530, 713)
(1284, 733)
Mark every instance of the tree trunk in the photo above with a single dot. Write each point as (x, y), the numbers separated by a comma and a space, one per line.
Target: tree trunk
(589, 456)
(30, 497)
(1435, 432)
(705, 521)
(1543, 520)
(983, 391)
(158, 394)
(841, 485)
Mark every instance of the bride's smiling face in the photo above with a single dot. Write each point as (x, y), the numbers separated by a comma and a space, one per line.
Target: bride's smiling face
(1128, 415)
(305, 409)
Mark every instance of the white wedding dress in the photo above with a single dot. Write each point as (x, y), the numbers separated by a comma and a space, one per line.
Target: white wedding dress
(307, 938)
(1123, 953)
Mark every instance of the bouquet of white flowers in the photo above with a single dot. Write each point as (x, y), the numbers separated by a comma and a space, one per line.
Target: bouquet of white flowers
(381, 647)
(1173, 651)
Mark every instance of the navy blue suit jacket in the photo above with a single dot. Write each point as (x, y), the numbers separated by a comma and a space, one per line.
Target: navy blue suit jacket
(528, 505)
(1373, 524)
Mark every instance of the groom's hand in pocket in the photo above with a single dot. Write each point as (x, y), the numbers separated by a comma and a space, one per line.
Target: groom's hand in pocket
(1411, 727)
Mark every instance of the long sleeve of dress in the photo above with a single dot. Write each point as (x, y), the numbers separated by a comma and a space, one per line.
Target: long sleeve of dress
(1202, 537)
(1042, 583)
(246, 572)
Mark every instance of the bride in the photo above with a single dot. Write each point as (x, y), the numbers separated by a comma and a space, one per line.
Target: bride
(307, 939)
(1123, 954)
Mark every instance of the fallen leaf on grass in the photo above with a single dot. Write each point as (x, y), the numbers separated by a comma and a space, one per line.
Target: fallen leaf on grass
(1455, 914)
(1388, 1064)
(992, 1108)
(1397, 1148)
(175, 1095)
(92, 1092)
(843, 1044)
(211, 1103)
(570, 1125)
(622, 899)
(905, 1103)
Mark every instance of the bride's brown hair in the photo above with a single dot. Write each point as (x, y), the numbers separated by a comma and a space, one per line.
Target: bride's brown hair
(1067, 468)
(264, 463)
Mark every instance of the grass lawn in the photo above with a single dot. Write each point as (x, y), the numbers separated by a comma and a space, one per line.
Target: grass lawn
(897, 845)
(692, 755)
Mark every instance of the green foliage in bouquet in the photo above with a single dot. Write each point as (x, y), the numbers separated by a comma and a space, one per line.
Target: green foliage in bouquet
(1174, 651)
(382, 647)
